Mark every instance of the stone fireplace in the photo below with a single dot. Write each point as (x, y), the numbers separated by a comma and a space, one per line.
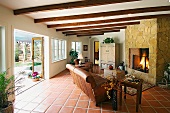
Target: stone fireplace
(153, 34)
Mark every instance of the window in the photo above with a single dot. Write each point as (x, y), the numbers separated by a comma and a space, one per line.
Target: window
(76, 46)
(58, 50)
(2, 49)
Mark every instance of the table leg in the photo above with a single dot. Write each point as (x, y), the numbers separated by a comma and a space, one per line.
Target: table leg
(137, 100)
(140, 96)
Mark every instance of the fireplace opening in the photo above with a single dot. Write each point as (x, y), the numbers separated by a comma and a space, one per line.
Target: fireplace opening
(139, 59)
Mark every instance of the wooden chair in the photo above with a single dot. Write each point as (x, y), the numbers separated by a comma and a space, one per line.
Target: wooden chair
(88, 66)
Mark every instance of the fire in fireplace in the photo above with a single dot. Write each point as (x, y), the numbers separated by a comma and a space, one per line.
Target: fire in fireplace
(139, 59)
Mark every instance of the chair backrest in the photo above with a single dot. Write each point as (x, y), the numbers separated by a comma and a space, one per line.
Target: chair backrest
(76, 61)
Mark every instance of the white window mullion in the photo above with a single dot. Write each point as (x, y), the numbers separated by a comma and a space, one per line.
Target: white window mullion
(58, 50)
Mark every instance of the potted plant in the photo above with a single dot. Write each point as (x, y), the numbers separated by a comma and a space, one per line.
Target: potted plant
(34, 76)
(108, 40)
(73, 55)
(7, 85)
(165, 81)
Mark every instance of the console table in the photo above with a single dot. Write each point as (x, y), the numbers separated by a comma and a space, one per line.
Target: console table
(138, 87)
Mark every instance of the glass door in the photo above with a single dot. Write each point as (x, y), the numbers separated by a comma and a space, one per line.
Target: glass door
(38, 56)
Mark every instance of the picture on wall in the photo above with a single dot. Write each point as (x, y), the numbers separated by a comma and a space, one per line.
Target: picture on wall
(85, 47)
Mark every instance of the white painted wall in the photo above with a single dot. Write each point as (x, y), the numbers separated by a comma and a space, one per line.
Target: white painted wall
(84, 40)
(11, 22)
(119, 37)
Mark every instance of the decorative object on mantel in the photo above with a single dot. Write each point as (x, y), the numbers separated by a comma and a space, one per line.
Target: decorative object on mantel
(110, 67)
(165, 81)
(121, 66)
(108, 40)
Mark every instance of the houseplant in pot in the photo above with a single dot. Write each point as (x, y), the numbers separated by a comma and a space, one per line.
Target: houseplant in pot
(73, 55)
(7, 88)
(108, 40)
(35, 76)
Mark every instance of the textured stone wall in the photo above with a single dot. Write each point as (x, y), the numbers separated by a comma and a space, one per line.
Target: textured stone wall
(155, 35)
(163, 51)
(143, 35)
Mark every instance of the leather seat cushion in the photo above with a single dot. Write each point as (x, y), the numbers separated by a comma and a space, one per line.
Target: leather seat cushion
(98, 79)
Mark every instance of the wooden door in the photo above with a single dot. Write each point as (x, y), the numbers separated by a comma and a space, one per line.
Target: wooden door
(96, 52)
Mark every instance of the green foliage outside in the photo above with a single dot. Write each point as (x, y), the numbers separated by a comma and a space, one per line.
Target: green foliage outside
(16, 53)
(19, 64)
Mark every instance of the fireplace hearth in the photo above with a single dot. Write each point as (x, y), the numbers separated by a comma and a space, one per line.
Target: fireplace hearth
(139, 59)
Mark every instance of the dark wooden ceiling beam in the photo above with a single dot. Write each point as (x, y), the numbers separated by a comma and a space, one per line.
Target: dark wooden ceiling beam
(86, 34)
(104, 14)
(77, 4)
(99, 26)
(108, 20)
(81, 35)
(89, 32)
(113, 28)
(74, 33)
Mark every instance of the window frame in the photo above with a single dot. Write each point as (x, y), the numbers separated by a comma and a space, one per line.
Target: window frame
(58, 49)
(79, 50)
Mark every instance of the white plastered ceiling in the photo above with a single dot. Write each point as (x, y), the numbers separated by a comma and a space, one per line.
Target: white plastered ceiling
(17, 4)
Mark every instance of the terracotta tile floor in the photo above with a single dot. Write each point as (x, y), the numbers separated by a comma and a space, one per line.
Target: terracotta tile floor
(60, 95)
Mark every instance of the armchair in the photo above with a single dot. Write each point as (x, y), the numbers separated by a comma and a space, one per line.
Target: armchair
(88, 66)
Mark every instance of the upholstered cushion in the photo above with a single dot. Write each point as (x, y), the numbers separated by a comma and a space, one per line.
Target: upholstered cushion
(98, 79)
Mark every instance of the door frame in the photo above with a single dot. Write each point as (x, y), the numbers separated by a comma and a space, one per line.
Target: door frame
(94, 50)
(42, 54)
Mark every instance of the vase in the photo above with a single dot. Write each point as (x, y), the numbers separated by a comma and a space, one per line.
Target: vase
(9, 109)
(36, 79)
(110, 67)
(114, 99)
